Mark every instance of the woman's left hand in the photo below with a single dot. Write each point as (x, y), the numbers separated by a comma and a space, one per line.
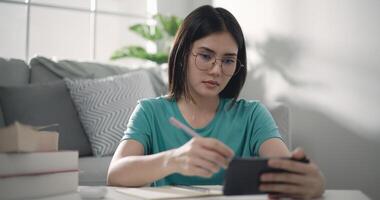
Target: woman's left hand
(304, 182)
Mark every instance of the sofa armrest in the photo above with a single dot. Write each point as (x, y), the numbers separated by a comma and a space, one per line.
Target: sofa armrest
(93, 170)
(281, 114)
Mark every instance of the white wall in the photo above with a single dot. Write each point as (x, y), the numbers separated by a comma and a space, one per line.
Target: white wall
(12, 30)
(78, 29)
(180, 8)
(69, 29)
(322, 58)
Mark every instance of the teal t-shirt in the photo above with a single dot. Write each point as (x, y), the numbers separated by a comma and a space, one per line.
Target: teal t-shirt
(244, 127)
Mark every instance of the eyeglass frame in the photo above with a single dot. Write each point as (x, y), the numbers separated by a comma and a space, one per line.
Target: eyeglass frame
(237, 69)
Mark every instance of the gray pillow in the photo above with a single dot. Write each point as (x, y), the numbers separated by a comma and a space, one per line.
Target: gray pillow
(44, 104)
(12, 72)
(46, 69)
(41, 74)
(105, 105)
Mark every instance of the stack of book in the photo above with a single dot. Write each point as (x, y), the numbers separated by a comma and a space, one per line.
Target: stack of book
(31, 166)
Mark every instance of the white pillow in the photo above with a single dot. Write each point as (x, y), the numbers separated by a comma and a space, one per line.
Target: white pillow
(105, 105)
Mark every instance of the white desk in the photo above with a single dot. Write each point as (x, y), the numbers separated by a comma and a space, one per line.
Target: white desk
(112, 194)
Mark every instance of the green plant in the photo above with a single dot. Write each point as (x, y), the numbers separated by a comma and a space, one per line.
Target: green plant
(161, 34)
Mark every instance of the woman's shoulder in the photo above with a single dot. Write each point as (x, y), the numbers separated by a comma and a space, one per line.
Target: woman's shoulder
(243, 103)
(248, 107)
(155, 102)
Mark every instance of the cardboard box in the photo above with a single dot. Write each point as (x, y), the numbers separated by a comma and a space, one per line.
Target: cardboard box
(23, 138)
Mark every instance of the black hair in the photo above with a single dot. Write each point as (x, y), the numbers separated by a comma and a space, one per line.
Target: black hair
(200, 23)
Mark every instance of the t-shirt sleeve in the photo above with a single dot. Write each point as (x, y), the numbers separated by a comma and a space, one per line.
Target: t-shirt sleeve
(264, 128)
(138, 128)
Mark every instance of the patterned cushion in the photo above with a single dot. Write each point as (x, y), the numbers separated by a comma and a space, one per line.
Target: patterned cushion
(105, 105)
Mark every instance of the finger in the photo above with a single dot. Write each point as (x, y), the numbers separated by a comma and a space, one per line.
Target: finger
(291, 166)
(213, 156)
(200, 171)
(298, 153)
(216, 145)
(219, 147)
(283, 178)
(199, 162)
(286, 189)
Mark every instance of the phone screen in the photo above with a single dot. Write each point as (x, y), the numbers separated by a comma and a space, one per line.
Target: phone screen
(243, 175)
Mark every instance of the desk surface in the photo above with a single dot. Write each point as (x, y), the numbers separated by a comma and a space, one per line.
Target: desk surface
(110, 193)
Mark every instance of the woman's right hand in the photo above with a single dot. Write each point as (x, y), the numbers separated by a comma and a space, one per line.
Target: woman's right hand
(200, 157)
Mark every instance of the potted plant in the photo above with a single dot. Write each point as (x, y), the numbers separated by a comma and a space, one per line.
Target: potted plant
(162, 34)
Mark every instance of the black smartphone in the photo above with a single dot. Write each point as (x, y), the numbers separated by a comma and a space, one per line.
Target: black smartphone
(243, 175)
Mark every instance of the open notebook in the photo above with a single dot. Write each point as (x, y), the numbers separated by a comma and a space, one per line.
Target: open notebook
(172, 192)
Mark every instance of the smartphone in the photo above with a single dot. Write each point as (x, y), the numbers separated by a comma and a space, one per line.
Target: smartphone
(243, 175)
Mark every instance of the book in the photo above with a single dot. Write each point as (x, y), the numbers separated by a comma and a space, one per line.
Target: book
(66, 196)
(92, 192)
(23, 138)
(171, 192)
(38, 186)
(21, 164)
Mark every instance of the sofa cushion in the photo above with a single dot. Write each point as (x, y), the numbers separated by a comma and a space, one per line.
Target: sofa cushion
(105, 105)
(12, 72)
(93, 170)
(44, 104)
(41, 74)
(43, 69)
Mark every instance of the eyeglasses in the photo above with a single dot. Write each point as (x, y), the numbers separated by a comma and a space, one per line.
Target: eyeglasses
(204, 62)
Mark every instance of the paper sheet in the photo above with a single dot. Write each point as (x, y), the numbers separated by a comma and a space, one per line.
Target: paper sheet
(170, 192)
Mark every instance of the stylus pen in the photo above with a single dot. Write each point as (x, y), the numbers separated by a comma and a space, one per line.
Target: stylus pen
(191, 187)
(187, 130)
(182, 126)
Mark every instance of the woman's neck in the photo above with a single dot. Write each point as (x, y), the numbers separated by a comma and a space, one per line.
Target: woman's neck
(199, 112)
(201, 104)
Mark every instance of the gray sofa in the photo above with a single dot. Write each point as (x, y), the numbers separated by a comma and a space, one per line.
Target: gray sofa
(40, 84)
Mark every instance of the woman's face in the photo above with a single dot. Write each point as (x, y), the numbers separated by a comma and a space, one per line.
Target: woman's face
(207, 79)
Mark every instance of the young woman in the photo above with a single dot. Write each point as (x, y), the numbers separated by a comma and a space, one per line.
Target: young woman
(206, 74)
